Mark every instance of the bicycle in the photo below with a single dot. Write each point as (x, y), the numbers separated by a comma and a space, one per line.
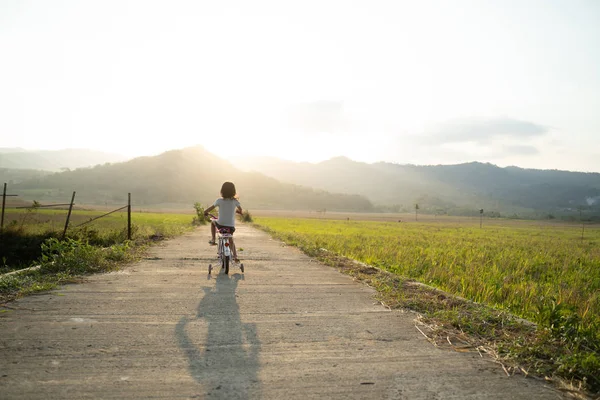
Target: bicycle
(224, 253)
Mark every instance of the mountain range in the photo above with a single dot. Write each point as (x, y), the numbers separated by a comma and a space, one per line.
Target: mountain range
(182, 177)
(461, 189)
(55, 160)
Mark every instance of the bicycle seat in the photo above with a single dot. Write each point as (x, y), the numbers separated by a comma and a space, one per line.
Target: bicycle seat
(226, 231)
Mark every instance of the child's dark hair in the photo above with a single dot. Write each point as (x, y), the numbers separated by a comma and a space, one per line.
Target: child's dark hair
(228, 190)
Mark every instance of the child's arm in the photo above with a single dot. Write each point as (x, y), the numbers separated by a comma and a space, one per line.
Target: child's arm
(239, 210)
(209, 209)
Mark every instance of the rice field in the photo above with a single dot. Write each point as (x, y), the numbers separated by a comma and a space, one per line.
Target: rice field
(521, 267)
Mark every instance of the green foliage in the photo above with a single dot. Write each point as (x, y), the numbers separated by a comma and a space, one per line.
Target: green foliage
(200, 218)
(103, 237)
(246, 216)
(75, 257)
(10, 283)
(71, 256)
(576, 344)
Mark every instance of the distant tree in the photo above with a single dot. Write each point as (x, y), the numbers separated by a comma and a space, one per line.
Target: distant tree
(417, 212)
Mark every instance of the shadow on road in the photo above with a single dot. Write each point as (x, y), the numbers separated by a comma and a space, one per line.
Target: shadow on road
(227, 364)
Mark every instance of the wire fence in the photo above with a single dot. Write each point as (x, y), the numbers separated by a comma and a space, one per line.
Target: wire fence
(36, 205)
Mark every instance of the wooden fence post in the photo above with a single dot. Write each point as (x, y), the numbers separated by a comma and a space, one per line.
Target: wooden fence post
(69, 215)
(4, 196)
(3, 202)
(128, 216)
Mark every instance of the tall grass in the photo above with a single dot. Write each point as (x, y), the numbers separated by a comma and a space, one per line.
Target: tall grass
(46, 220)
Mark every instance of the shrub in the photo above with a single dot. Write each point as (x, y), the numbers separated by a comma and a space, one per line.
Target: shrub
(246, 217)
(71, 256)
(199, 219)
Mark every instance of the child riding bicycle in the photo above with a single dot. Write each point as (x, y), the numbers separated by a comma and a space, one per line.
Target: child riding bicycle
(228, 205)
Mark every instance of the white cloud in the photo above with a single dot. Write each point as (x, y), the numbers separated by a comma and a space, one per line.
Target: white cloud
(483, 130)
(520, 150)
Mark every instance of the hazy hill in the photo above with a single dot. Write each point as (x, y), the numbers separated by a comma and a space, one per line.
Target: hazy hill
(13, 176)
(54, 160)
(180, 177)
(462, 188)
(531, 188)
(383, 183)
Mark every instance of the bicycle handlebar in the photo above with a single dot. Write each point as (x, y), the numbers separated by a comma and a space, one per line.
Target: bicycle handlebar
(214, 217)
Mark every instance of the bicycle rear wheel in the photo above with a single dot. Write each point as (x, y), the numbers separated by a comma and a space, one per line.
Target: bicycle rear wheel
(226, 262)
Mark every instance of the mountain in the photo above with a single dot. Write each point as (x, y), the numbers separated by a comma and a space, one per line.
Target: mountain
(13, 176)
(180, 177)
(54, 160)
(457, 189)
(383, 183)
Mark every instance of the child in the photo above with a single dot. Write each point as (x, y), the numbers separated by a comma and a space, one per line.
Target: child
(228, 205)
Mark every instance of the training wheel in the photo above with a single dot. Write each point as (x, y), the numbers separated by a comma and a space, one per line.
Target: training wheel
(242, 267)
(209, 268)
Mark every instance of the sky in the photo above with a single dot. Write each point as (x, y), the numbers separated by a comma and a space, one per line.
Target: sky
(510, 82)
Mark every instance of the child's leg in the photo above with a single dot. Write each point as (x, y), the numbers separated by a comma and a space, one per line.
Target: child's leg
(233, 249)
(213, 230)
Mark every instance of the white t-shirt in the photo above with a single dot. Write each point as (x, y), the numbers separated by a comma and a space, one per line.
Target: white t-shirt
(226, 211)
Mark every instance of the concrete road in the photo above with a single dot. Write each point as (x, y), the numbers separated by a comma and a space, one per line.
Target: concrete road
(288, 328)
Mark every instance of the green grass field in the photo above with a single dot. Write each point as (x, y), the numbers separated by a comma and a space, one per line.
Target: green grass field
(44, 220)
(519, 267)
